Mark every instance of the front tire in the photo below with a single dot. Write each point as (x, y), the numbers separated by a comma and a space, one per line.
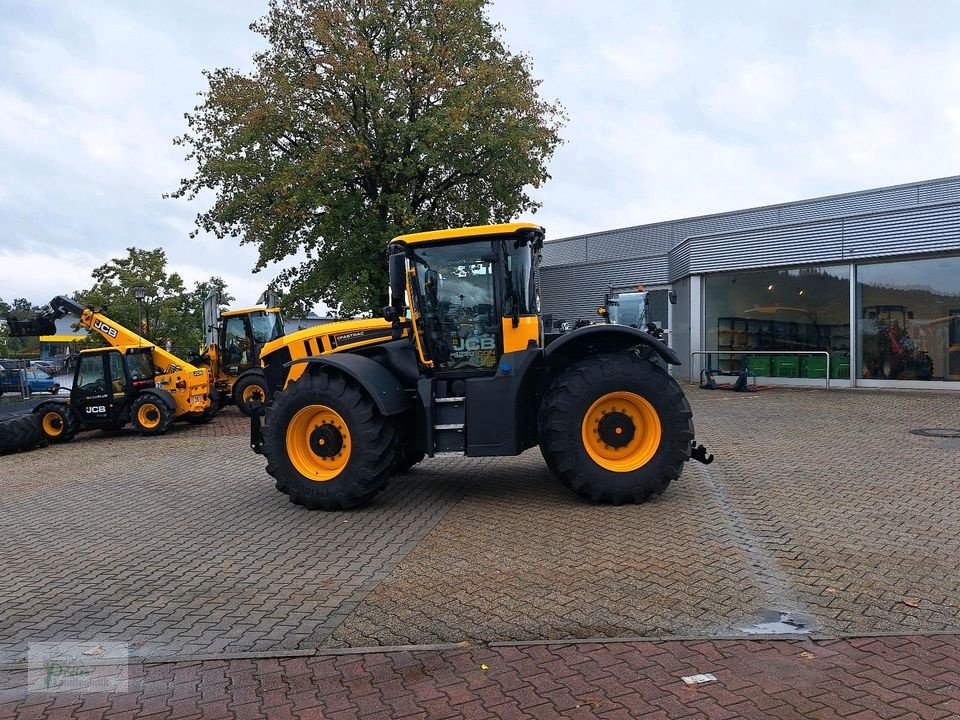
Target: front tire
(248, 392)
(150, 415)
(615, 428)
(57, 422)
(326, 444)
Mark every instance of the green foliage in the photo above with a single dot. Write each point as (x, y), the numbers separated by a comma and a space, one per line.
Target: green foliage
(365, 119)
(169, 309)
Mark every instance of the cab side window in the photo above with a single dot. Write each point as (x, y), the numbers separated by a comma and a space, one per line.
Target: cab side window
(117, 374)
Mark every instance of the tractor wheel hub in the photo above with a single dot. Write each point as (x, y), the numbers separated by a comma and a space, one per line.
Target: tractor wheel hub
(616, 429)
(326, 440)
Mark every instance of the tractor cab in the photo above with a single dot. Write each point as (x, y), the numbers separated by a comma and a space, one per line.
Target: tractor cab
(472, 295)
(242, 334)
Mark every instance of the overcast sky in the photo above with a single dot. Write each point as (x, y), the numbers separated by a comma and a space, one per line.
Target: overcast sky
(676, 108)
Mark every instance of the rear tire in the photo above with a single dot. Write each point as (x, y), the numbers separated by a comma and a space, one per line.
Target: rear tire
(150, 415)
(626, 400)
(57, 421)
(326, 443)
(248, 391)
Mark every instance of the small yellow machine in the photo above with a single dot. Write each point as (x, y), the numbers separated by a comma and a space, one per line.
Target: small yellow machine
(459, 366)
(234, 340)
(132, 381)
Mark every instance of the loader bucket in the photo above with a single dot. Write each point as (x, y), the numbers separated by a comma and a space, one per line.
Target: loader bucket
(31, 328)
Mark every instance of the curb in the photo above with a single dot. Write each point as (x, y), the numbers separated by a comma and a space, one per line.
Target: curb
(466, 645)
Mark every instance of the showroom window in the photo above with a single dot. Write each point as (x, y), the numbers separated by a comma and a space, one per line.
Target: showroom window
(792, 309)
(908, 320)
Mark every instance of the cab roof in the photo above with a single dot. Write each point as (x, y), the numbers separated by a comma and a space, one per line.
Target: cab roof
(465, 232)
(247, 311)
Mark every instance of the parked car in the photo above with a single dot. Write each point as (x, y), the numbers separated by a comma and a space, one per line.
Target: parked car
(38, 380)
(52, 366)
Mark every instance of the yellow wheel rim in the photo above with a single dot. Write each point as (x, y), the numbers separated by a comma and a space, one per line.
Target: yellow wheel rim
(318, 443)
(621, 431)
(148, 415)
(251, 393)
(52, 424)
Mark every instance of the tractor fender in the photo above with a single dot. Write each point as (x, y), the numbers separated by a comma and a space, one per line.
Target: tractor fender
(604, 338)
(381, 384)
(163, 396)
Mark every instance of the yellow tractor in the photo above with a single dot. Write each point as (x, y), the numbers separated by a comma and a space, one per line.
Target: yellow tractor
(235, 339)
(458, 367)
(133, 381)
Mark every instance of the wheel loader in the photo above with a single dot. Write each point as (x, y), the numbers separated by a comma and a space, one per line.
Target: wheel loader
(234, 341)
(457, 367)
(132, 381)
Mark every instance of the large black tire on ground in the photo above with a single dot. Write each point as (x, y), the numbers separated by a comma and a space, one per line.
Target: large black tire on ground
(573, 394)
(249, 391)
(150, 415)
(20, 432)
(370, 436)
(57, 421)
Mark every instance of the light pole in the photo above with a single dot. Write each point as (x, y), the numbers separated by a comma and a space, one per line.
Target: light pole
(139, 292)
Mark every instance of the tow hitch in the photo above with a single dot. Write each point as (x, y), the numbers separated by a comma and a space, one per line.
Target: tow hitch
(699, 453)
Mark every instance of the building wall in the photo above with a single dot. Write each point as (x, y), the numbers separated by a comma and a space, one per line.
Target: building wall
(907, 219)
(904, 223)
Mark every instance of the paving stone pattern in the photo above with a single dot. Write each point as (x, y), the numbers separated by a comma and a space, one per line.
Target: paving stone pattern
(893, 677)
(821, 505)
(181, 544)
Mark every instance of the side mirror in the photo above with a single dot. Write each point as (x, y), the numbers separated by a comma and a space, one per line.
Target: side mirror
(672, 297)
(398, 280)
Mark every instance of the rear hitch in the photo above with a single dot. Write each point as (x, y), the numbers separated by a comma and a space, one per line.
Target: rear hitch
(699, 453)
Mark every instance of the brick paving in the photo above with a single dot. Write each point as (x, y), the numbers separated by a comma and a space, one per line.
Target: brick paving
(820, 506)
(180, 544)
(890, 677)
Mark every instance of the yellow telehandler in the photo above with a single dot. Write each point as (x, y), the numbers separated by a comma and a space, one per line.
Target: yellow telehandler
(458, 367)
(132, 381)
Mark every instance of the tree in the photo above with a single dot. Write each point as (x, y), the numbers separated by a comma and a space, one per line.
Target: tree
(169, 310)
(364, 119)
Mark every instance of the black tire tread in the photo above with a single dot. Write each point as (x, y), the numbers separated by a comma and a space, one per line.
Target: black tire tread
(241, 385)
(71, 423)
(20, 432)
(374, 444)
(166, 415)
(561, 414)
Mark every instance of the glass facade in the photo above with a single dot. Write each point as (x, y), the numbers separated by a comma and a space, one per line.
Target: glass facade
(908, 320)
(787, 309)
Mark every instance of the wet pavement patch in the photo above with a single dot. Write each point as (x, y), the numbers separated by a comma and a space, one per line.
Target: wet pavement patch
(773, 622)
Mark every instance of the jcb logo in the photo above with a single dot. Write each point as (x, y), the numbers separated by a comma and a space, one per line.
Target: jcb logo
(104, 328)
(97, 409)
(481, 343)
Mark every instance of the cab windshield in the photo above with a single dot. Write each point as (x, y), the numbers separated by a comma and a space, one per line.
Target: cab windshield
(266, 327)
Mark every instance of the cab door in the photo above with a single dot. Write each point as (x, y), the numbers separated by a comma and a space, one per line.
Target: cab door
(92, 396)
(119, 386)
